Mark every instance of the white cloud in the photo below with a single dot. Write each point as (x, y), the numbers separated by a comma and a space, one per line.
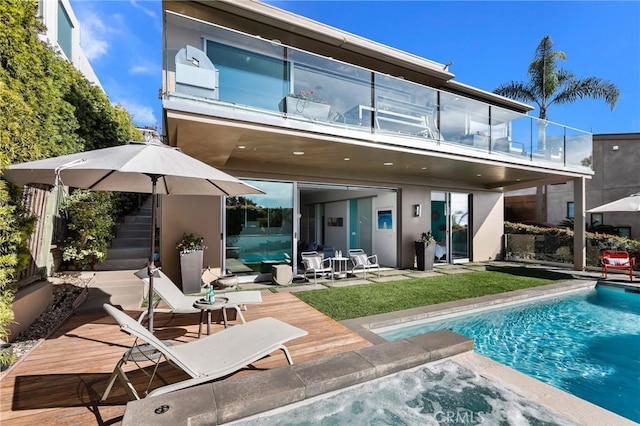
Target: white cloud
(93, 36)
(148, 12)
(142, 115)
(144, 69)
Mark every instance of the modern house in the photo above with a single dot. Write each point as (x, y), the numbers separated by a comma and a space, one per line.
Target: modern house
(63, 33)
(355, 144)
(616, 175)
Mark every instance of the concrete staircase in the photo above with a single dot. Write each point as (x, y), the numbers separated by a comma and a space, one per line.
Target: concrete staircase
(132, 245)
(114, 281)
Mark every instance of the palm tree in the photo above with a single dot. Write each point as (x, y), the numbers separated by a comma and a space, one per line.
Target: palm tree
(548, 85)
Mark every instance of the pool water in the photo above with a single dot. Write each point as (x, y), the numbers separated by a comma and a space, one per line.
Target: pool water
(439, 394)
(586, 343)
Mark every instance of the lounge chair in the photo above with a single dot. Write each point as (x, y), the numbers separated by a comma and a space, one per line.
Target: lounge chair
(360, 260)
(181, 304)
(204, 359)
(315, 263)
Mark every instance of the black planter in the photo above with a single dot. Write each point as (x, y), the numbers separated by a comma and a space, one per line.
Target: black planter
(425, 255)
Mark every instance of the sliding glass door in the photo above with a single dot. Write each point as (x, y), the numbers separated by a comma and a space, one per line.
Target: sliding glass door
(450, 213)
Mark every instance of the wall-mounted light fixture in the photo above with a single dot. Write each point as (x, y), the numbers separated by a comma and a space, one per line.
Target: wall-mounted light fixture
(417, 210)
(615, 147)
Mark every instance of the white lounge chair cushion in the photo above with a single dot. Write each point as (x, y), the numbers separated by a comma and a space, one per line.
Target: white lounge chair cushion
(360, 259)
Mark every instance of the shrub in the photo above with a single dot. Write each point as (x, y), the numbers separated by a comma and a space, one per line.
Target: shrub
(90, 226)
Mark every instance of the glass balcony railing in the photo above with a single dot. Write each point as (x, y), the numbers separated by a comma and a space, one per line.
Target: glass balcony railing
(223, 68)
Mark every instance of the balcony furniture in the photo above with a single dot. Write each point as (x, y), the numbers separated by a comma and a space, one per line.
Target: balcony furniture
(316, 264)
(505, 145)
(207, 359)
(195, 73)
(360, 260)
(476, 141)
(395, 116)
(305, 107)
(614, 259)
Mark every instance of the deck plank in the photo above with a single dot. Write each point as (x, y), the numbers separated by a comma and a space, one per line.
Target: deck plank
(61, 381)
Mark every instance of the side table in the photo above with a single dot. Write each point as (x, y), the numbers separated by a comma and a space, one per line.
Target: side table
(221, 304)
(340, 266)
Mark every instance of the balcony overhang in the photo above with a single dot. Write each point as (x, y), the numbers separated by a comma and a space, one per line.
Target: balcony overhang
(252, 150)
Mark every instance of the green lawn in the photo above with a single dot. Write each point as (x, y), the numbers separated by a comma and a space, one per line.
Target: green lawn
(371, 299)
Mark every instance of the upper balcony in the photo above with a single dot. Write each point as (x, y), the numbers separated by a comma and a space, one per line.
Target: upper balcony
(226, 73)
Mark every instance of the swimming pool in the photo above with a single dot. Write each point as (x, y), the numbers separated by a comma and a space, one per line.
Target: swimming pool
(586, 343)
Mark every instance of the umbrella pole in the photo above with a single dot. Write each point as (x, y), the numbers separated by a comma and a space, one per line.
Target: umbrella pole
(151, 266)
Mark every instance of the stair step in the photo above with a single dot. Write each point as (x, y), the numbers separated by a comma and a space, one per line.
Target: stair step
(132, 242)
(121, 264)
(140, 218)
(134, 234)
(127, 253)
(135, 226)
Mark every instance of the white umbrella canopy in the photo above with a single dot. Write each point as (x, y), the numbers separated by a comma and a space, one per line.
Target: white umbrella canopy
(128, 168)
(150, 167)
(626, 204)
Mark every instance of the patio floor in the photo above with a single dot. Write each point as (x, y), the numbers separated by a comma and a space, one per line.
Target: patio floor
(60, 382)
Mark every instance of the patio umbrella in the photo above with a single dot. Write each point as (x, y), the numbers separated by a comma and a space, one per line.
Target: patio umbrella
(150, 167)
(626, 204)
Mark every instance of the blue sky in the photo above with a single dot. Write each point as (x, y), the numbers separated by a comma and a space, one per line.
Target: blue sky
(489, 43)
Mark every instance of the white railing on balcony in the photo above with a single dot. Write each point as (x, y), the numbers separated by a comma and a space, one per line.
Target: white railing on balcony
(267, 76)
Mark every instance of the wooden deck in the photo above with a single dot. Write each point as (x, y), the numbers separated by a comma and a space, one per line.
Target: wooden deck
(61, 381)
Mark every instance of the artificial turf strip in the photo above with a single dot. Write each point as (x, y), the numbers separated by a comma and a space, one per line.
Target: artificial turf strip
(371, 299)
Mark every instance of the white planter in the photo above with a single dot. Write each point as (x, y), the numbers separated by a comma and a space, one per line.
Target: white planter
(305, 108)
(191, 271)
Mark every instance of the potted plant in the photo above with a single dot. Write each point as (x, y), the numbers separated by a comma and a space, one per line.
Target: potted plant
(425, 251)
(191, 249)
(306, 103)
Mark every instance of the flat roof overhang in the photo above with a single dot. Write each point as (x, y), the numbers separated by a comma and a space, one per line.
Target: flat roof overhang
(250, 150)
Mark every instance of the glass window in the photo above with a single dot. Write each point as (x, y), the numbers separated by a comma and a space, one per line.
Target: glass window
(248, 77)
(65, 29)
(259, 228)
(596, 219)
(570, 209)
(625, 231)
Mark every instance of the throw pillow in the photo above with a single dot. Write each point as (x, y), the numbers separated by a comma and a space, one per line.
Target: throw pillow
(360, 259)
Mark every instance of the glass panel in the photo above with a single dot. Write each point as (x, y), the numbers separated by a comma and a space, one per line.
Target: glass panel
(459, 226)
(550, 142)
(340, 87)
(259, 228)
(405, 107)
(365, 230)
(464, 121)
(510, 132)
(579, 148)
(254, 75)
(64, 31)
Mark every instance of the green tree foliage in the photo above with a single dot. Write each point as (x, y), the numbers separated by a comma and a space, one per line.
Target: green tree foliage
(550, 84)
(90, 228)
(47, 108)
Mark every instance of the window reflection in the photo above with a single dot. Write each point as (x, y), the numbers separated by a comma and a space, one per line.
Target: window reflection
(259, 228)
